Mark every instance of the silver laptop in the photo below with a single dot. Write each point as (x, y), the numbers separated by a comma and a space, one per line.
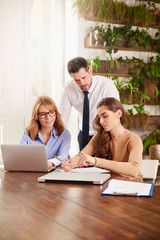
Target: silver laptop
(28, 158)
(93, 178)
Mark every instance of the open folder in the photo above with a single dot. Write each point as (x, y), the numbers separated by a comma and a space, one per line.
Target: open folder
(126, 188)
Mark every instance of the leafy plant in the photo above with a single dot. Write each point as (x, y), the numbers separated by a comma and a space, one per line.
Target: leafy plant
(94, 63)
(150, 71)
(157, 93)
(119, 85)
(135, 84)
(151, 139)
(116, 82)
(125, 85)
(145, 96)
(110, 63)
(109, 36)
(139, 109)
(138, 120)
(150, 3)
(140, 73)
(130, 60)
(130, 111)
(127, 103)
(106, 9)
(134, 38)
(140, 38)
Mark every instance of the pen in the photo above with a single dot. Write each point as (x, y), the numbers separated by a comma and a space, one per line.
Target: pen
(60, 159)
(124, 194)
(63, 160)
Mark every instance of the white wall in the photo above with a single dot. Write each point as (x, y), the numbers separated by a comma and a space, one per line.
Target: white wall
(16, 57)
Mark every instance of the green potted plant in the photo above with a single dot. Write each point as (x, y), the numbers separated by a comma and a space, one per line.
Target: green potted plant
(138, 120)
(123, 37)
(111, 11)
(149, 140)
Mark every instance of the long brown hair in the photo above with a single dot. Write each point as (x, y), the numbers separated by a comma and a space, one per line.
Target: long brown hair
(34, 125)
(103, 143)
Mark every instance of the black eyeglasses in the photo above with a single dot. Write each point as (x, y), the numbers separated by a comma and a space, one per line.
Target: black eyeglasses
(50, 113)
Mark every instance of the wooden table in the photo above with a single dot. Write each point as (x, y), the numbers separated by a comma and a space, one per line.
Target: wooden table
(62, 211)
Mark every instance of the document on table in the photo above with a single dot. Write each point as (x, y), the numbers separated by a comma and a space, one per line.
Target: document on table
(122, 188)
(86, 170)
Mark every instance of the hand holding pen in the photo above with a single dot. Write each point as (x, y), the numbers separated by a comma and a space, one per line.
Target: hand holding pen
(66, 165)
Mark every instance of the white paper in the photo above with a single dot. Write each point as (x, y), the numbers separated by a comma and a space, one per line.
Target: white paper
(126, 187)
(86, 170)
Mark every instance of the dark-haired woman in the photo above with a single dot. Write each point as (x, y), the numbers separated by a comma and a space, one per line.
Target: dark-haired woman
(115, 148)
(47, 128)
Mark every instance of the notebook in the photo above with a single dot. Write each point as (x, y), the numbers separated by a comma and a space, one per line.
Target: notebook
(65, 177)
(28, 158)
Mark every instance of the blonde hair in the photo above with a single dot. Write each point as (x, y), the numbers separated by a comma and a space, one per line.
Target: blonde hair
(34, 125)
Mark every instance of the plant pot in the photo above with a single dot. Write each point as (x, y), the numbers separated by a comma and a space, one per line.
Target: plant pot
(121, 69)
(90, 42)
(142, 122)
(154, 152)
(135, 98)
(106, 69)
(112, 18)
(138, 121)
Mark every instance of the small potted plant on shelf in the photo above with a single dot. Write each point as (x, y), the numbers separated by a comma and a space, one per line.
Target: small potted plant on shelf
(138, 120)
(151, 144)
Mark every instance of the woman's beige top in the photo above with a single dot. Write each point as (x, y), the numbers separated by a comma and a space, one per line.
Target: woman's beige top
(126, 153)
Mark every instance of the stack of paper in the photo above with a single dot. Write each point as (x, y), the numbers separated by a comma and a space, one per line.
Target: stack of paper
(86, 170)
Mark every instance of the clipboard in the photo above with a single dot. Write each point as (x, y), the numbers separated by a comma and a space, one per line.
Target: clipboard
(127, 188)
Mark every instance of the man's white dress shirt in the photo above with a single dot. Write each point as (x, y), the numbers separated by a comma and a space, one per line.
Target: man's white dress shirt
(73, 96)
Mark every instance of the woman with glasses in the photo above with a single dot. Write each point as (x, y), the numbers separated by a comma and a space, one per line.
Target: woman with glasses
(46, 127)
(116, 149)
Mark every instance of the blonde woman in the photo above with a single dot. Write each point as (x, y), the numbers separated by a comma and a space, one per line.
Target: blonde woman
(47, 128)
(115, 148)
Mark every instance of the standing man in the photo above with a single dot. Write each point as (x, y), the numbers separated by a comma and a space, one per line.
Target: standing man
(83, 93)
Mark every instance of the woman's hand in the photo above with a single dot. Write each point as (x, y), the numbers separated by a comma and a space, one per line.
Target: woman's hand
(50, 164)
(86, 160)
(66, 166)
